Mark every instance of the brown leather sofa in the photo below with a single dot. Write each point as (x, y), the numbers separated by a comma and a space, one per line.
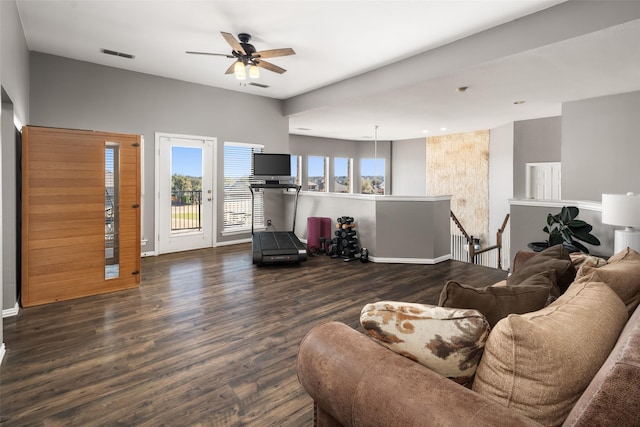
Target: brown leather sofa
(354, 381)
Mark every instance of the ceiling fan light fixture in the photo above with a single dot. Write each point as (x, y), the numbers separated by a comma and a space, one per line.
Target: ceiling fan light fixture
(239, 71)
(254, 71)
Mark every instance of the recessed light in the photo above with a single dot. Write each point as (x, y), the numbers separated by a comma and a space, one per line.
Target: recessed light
(519, 102)
(443, 128)
(425, 131)
(366, 137)
(462, 89)
(303, 129)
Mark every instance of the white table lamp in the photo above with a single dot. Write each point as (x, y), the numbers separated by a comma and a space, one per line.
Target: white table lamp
(623, 210)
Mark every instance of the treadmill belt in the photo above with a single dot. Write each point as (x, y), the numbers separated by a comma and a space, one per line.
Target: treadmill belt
(278, 243)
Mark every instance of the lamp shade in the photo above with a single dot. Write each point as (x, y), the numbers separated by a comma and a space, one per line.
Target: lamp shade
(239, 71)
(254, 72)
(621, 209)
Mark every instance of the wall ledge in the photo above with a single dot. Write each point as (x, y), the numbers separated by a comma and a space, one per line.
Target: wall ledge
(372, 197)
(580, 204)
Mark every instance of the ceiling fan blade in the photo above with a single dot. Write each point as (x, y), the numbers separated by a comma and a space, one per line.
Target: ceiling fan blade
(209, 53)
(272, 53)
(269, 66)
(235, 45)
(230, 69)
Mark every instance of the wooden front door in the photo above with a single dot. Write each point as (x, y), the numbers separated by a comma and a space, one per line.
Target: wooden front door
(80, 213)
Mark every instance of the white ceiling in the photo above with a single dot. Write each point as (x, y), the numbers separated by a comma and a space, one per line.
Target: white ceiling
(338, 40)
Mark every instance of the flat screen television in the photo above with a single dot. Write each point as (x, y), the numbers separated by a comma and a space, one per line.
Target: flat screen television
(273, 168)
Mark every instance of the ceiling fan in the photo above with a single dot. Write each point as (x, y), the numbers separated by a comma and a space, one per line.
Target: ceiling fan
(246, 55)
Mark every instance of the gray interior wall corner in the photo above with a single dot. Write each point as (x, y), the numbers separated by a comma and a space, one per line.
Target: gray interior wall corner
(1, 220)
(536, 140)
(9, 226)
(600, 146)
(74, 94)
(14, 80)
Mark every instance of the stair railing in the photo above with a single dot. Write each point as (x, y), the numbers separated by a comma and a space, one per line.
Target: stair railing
(471, 252)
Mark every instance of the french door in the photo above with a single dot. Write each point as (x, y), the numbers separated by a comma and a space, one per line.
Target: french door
(185, 203)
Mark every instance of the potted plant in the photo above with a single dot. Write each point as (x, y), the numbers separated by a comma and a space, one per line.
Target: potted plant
(566, 229)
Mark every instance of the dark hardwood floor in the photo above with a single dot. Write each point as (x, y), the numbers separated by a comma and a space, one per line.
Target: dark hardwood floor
(207, 340)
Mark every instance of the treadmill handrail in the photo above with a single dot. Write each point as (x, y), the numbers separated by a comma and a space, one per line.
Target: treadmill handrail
(283, 186)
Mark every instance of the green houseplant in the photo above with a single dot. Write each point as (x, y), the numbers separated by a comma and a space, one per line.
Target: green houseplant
(564, 228)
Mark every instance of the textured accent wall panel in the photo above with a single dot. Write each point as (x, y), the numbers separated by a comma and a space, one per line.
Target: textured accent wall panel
(458, 164)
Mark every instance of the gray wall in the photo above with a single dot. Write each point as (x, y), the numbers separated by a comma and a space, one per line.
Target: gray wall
(409, 167)
(527, 223)
(405, 230)
(409, 229)
(14, 78)
(601, 146)
(536, 140)
(2, 350)
(15, 60)
(74, 94)
(306, 146)
(599, 154)
(9, 200)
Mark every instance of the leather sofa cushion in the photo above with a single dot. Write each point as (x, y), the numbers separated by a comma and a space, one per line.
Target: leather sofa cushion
(622, 274)
(448, 341)
(554, 258)
(497, 302)
(538, 364)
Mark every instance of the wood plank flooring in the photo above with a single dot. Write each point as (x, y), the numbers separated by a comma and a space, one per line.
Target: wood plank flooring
(207, 340)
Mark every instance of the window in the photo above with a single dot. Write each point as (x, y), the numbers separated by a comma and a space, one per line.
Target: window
(372, 176)
(238, 175)
(342, 174)
(296, 170)
(317, 173)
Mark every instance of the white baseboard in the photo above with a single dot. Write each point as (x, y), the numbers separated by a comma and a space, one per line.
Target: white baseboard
(389, 260)
(149, 253)
(2, 351)
(11, 311)
(234, 242)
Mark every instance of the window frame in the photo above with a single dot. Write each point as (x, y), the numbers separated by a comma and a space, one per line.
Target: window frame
(349, 174)
(383, 174)
(240, 194)
(325, 171)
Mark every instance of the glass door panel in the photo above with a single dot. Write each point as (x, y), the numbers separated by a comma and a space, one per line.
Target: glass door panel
(111, 211)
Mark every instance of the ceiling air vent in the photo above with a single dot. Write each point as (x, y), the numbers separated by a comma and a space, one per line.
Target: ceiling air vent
(258, 85)
(115, 53)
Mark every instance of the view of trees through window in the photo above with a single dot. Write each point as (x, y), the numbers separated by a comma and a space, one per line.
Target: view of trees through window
(342, 174)
(181, 185)
(317, 173)
(372, 176)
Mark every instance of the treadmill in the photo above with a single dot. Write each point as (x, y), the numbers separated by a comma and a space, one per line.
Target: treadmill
(273, 247)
